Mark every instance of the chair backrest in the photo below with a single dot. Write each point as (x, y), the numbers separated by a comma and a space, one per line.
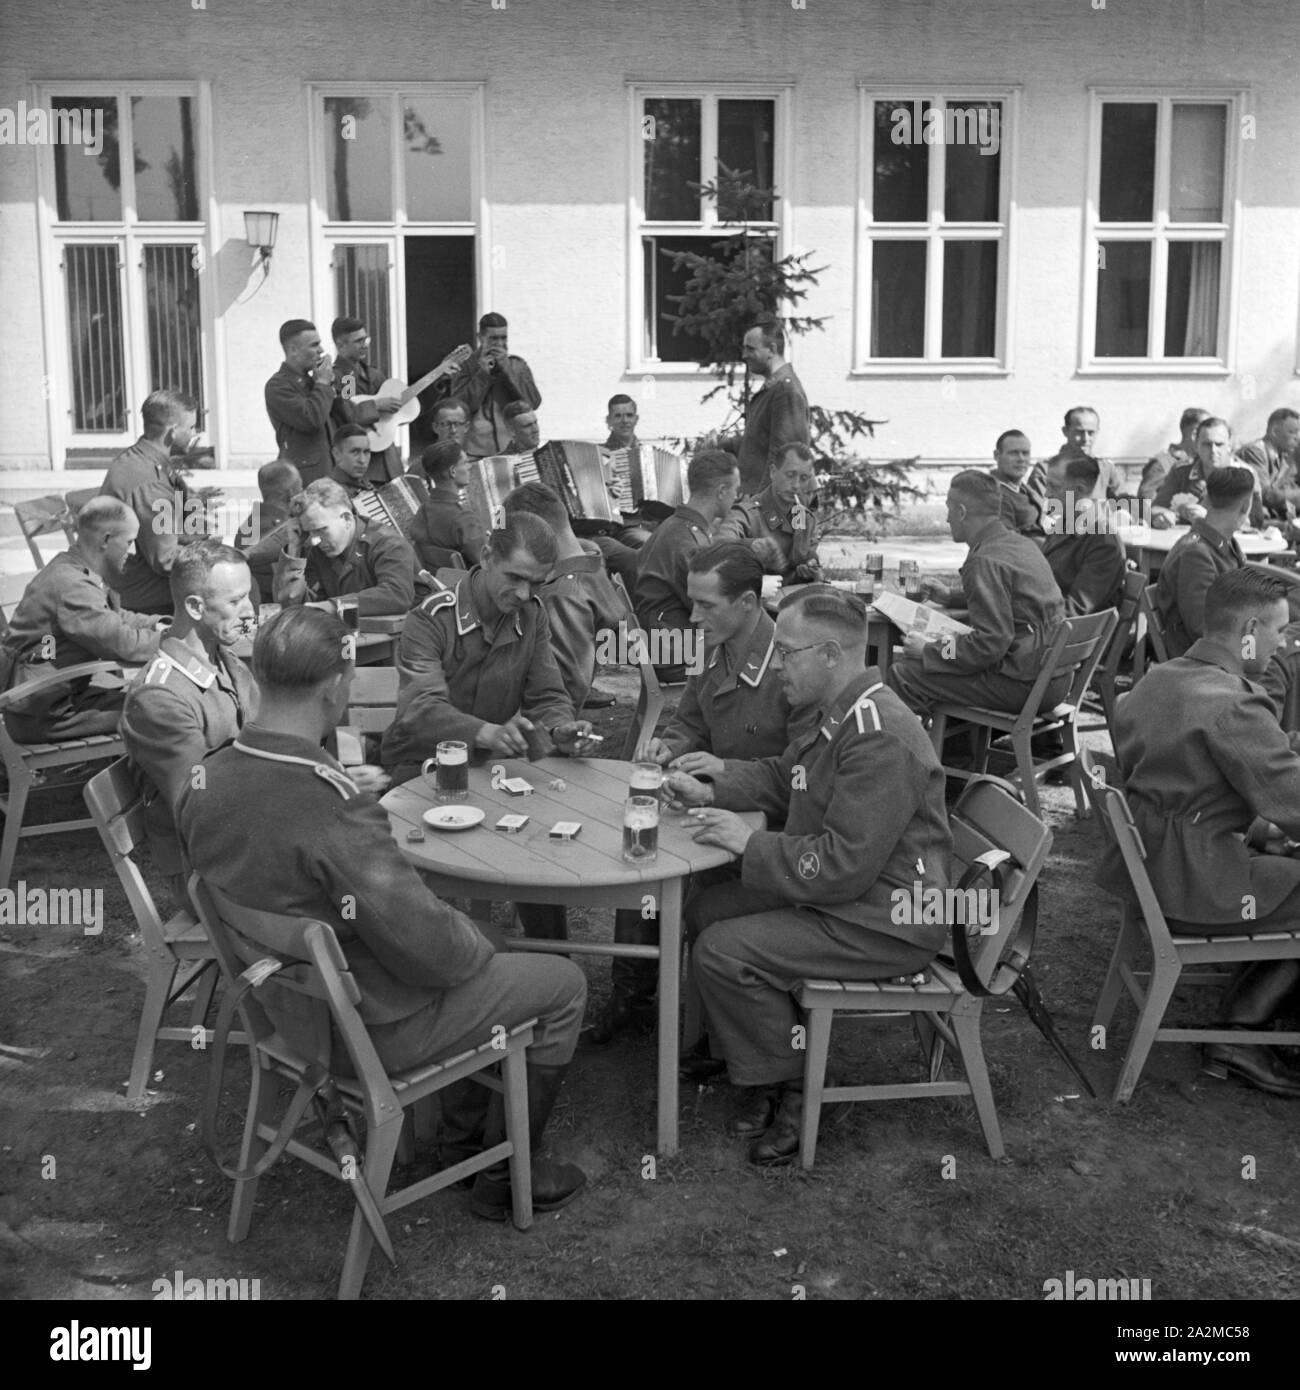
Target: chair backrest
(1129, 602)
(292, 1010)
(78, 497)
(372, 705)
(990, 817)
(443, 557)
(1114, 808)
(650, 702)
(39, 516)
(1084, 648)
(117, 808)
(1155, 624)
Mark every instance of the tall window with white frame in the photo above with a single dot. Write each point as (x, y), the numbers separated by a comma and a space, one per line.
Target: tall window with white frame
(682, 138)
(398, 200)
(128, 233)
(934, 248)
(1159, 230)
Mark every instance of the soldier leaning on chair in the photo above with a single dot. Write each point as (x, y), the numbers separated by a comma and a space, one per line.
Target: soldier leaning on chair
(862, 798)
(276, 824)
(70, 614)
(1204, 764)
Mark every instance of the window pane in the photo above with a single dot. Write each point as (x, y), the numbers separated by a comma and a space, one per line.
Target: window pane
(87, 187)
(1123, 298)
(662, 281)
(973, 163)
(436, 140)
(1128, 161)
(171, 287)
(670, 131)
(164, 132)
(358, 159)
(1192, 309)
(1196, 163)
(440, 300)
(970, 298)
(361, 292)
(900, 179)
(898, 299)
(745, 139)
(95, 339)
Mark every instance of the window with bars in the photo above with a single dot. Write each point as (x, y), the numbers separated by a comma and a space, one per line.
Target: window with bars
(683, 139)
(129, 242)
(1159, 229)
(935, 231)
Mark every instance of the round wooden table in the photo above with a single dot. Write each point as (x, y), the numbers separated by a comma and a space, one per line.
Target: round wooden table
(530, 866)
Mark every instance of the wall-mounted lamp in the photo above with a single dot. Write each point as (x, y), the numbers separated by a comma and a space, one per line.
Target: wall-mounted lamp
(259, 232)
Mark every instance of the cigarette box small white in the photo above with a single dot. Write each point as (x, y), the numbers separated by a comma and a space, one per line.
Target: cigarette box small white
(517, 786)
(512, 824)
(565, 829)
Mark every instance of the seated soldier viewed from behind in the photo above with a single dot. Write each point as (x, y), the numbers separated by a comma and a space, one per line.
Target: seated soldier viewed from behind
(278, 482)
(278, 825)
(1087, 557)
(69, 614)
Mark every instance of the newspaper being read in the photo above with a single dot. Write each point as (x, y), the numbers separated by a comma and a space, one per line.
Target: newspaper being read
(915, 618)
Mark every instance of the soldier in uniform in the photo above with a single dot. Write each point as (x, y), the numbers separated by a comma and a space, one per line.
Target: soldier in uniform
(445, 525)
(1197, 559)
(69, 614)
(350, 449)
(1202, 757)
(736, 708)
(1023, 484)
(488, 382)
(194, 696)
(660, 597)
(278, 825)
(780, 521)
(579, 599)
(1087, 557)
(1015, 610)
(279, 482)
(1182, 495)
(299, 398)
(344, 555)
(355, 376)
(777, 413)
(475, 664)
(861, 793)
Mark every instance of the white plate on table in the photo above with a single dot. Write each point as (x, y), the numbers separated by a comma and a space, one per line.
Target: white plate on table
(454, 817)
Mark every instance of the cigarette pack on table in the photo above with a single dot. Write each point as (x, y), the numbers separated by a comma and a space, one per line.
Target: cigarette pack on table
(512, 824)
(915, 618)
(565, 830)
(517, 786)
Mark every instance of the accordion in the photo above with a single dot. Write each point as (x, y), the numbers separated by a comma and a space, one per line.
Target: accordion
(396, 504)
(576, 472)
(654, 474)
(491, 480)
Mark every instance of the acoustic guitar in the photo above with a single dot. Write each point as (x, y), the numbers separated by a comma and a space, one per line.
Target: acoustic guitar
(383, 433)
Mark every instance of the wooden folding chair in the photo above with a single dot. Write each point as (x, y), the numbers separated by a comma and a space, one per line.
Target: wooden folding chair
(1144, 927)
(1104, 681)
(1006, 845)
(78, 497)
(41, 516)
(178, 946)
(1077, 648)
(650, 702)
(289, 979)
(1150, 616)
(25, 762)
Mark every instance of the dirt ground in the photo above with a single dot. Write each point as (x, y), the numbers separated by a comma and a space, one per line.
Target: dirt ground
(1192, 1185)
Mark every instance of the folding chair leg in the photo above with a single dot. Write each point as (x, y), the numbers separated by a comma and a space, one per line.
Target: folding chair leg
(966, 1027)
(933, 1045)
(162, 975)
(262, 1095)
(1164, 980)
(1025, 767)
(205, 978)
(981, 737)
(514, 1076)
(20, 785)
(1070, 739)
(1130, 934)
(814, 1082)
(381, 1148)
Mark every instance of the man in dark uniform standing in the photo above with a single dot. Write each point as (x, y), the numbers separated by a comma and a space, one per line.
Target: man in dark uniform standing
(487, 383)
(299, 399)
(194, 696)
(780, 522)
(445, 525)
(660, 598)
(736, 708)
(1015, 610)
(278, 825)
(1197, 559)
(817, 898)
(1207, 772)
(353, 377)
(777, 414)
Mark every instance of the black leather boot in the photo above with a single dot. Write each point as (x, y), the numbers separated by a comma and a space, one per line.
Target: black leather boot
(555, 1185)
(631, 1004)
(780, 1144)
(699, 1064)
(1250, 1002)
(754, 1112)
(465, 1108)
